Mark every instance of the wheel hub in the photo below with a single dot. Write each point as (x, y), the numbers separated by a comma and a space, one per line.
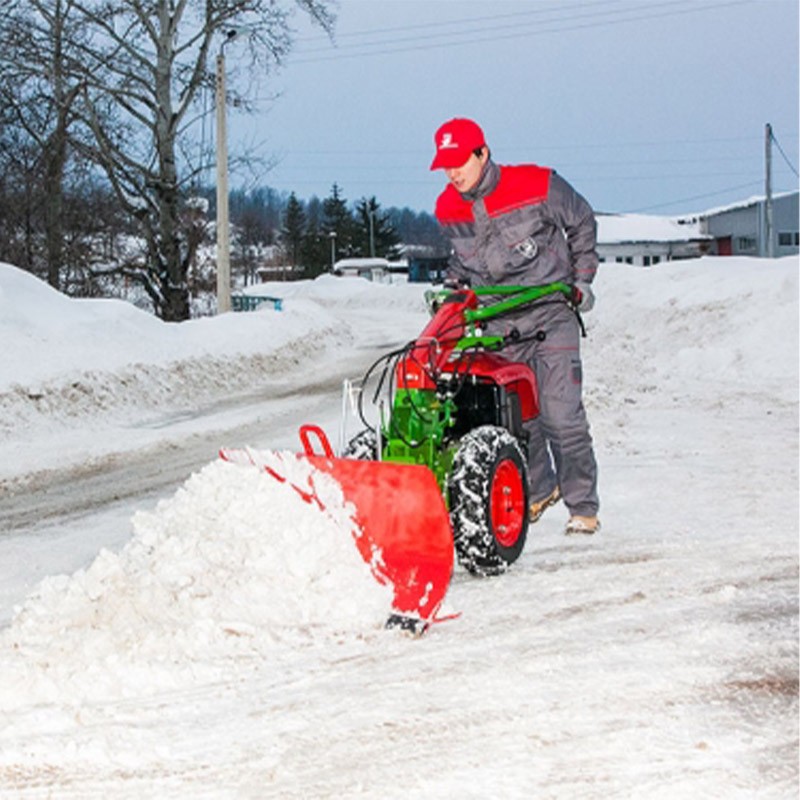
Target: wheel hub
(507, 503)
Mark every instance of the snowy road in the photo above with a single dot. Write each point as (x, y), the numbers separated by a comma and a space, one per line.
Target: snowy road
(269, 418)
(657, 660)
(61, 517)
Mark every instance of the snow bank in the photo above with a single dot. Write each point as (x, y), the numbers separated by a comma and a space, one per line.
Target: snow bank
(234, 566)
(685, 326)
(70, 363)
(343, 292)
(65, 359)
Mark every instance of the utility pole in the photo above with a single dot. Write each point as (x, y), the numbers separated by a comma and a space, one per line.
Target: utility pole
(770, 230)
(371, 213)
(223, 224)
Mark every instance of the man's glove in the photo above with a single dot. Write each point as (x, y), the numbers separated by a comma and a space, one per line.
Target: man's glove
(583, 297)
(454, 284)
(433, 300)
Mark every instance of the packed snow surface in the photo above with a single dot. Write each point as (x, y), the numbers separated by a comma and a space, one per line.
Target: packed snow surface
(186, 599)
(231, 645)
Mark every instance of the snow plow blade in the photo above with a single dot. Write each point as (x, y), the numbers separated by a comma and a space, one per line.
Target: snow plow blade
(406, 537)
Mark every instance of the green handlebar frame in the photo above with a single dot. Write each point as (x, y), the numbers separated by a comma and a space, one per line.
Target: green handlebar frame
(518, 296)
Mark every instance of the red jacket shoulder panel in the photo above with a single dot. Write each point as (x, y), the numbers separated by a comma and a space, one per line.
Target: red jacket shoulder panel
(452, 208)
(519, 186)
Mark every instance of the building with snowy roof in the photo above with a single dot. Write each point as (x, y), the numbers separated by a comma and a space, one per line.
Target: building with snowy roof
(735, 230)
(741, 229)
(373, 269)
(647, 240)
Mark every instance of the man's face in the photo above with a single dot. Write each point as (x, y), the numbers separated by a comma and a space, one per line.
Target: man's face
(465, 177)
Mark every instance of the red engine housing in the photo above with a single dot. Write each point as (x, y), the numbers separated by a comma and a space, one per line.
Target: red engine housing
(434, 356)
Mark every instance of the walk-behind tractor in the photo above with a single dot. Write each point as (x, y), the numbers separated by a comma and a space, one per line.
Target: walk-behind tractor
(442, 466)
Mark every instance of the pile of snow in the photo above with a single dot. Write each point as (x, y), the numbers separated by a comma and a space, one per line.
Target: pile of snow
(334, 292)
(73, 368)
(48, 337)
(67, 359)
(231, 567)
(684, 326)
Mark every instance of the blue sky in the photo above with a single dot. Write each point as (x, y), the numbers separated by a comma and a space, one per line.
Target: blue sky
(654, 106)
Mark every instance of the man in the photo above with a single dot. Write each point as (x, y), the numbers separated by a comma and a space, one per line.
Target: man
(525, 225)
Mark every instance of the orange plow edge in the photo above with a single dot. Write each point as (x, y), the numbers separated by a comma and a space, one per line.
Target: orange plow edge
(406, 536)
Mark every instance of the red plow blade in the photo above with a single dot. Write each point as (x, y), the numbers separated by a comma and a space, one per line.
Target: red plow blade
(401, 512)
(406, 536)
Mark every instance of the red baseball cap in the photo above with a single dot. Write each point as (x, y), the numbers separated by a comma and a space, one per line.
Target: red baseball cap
(455, 141)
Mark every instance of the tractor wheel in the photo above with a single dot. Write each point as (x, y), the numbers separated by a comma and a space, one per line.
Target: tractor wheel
(488, 488)
(362, 447)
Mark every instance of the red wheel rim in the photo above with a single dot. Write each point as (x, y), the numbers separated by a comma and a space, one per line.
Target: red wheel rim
(507, 503)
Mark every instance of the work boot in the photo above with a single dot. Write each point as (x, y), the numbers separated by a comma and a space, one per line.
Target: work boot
(540, 506)
(582, 525)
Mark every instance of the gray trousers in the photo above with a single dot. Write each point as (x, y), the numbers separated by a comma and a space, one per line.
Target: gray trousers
(560, 445)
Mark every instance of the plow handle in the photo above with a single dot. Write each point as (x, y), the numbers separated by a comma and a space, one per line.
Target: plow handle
(306, 431)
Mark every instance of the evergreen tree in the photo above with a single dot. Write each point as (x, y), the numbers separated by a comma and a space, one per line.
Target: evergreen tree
(337, 220)
(419, 229)
(374, 232)
(315, 250)
(294, 229)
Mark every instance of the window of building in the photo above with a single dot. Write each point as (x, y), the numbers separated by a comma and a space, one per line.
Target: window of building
(746, 243)
(787, 238)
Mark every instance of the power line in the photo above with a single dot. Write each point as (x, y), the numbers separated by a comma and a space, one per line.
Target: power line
(366, 169)
(661, 177)
(439, 43)
(780, 150)
(696, 197)
(484, 29)
(649, 143)
(463, 20)
(543, 146)
(460, 21)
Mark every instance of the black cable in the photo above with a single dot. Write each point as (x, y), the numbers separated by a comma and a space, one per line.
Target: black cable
(367, 375)
(461, 367)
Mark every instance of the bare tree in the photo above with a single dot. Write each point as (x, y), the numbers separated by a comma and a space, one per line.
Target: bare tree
(19, 193)
(154, 63)
(42, 80)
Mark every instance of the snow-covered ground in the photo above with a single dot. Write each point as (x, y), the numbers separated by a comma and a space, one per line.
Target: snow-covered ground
(227, 642)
